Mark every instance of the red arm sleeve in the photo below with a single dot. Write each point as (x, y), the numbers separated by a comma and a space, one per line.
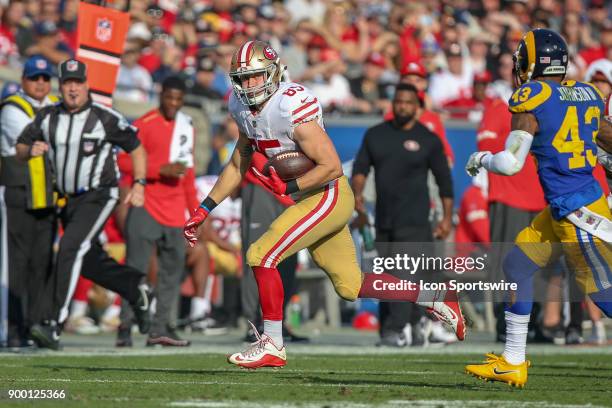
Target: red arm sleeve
(191, 194)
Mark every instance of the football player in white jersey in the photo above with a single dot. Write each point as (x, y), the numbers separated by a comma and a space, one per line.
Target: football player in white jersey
(275, 116)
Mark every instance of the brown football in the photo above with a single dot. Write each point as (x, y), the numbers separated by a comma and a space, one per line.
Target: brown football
(289, 165)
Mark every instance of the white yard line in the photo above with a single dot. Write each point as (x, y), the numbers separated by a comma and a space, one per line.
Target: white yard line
(195, 403)
(315, 350)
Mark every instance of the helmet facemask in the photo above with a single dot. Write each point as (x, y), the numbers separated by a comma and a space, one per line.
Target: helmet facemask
(256, 95)
(522, 72)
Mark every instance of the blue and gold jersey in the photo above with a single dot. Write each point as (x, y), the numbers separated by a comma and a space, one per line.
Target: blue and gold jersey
(568, 117)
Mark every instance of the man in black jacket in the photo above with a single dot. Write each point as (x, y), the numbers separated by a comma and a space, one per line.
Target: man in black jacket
(402, 151)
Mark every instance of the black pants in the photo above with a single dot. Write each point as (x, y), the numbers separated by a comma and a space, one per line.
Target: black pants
(29, 240)
(80, 252)
(393, 316)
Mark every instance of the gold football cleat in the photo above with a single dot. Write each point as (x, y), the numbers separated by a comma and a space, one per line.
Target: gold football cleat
(496, 368)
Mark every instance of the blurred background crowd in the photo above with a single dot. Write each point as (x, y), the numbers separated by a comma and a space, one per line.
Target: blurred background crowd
(351, 53)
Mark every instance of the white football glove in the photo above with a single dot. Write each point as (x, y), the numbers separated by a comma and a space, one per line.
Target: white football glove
(475, 163)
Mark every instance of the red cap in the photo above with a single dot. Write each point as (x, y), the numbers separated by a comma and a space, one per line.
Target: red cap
(484, 76)
(414, 68)
(376, 59)
(317, 42)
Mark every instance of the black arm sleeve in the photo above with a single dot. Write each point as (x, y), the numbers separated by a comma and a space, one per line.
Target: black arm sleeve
(363, 160)
(118, 131)
(33, 131)
(439, 167)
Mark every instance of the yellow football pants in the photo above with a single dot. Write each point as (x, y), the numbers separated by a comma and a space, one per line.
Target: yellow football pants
(226, 263)
(318, 221)
(587, 256)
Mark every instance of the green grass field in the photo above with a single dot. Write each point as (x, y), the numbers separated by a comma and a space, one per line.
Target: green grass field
(353, 380)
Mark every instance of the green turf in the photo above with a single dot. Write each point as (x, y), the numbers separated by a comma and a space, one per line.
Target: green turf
(149, 381)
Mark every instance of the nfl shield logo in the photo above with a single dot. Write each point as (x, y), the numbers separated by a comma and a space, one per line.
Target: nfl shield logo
(72, 65)
(88, 147)
(41, 64)
(104, 29)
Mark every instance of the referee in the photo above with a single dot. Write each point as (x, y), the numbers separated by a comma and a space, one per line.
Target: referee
(79, 137)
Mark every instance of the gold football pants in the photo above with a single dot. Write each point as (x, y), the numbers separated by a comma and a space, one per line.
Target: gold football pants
(318, 221)
(587, 256)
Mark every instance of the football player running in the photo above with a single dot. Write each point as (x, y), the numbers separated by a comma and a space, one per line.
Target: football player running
(559, 123)
(275, 116)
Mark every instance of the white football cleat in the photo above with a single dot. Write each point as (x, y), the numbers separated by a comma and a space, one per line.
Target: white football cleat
(262, 353)
(448, 312)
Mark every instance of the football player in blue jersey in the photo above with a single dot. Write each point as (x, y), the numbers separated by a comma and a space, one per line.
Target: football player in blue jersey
(560, 123)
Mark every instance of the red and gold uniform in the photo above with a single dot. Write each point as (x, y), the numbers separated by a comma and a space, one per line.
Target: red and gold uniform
(318, 220)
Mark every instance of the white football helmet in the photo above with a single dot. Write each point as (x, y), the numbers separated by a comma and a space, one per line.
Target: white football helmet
(252, 58)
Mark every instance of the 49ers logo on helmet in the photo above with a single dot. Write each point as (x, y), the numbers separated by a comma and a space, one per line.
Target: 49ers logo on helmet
(269, 53)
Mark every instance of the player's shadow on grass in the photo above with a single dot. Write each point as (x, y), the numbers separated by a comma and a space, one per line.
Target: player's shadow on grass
(216, 372)
(360, 382)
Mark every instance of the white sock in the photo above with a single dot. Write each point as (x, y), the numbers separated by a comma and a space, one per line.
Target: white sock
(274, 329)
(200, 307)
(78, 309)
(516, 338)
(111, 312)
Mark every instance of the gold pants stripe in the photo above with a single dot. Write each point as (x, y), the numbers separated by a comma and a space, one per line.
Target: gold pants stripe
(303, 226)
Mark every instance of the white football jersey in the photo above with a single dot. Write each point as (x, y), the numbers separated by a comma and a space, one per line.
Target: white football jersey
(271, 130)
(226, 216)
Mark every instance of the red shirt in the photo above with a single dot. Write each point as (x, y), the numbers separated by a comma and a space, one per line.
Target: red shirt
(166, 198)
(592, 54)
(523, 190)
(473, 221)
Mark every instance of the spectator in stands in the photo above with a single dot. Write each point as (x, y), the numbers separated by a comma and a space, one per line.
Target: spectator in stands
(207, 38)
(295, 52)
(205, 75)
(453, 82)
(133, 81)
(478, 51)
(223, 59)
(222, 144)
(47, 43)
(171, 63)
(599, 73)
(151, 54)
(350, 40)
(502, 87)
(471, 107)
(167, 134)
(331, 86)
(10, 30)
(369, 91)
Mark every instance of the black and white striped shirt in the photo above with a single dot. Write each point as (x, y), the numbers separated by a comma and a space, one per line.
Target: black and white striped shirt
(81, 144)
